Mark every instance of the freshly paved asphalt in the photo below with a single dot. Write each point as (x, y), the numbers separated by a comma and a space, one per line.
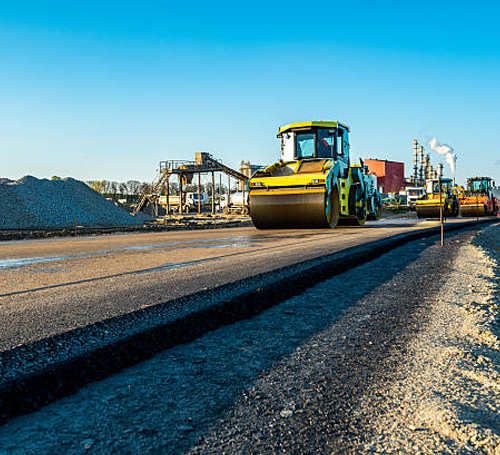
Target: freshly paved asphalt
(52, 286)
(306, 376)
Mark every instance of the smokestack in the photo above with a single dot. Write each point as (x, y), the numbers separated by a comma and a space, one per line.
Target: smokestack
(421, 163)
(415, 162)
(447, 151)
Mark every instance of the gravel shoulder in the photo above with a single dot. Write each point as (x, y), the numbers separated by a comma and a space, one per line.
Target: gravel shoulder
(447, 398)
(425, 382)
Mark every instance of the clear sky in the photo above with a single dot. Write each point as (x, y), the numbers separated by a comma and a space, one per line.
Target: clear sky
(107, 89)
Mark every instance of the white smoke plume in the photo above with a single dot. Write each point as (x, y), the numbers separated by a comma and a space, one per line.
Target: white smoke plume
(444, 149)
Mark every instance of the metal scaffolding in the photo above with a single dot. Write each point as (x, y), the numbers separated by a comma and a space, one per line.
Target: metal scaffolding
(185, 171)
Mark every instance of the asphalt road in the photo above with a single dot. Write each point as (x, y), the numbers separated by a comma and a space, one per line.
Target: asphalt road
(52, 286)
(289, 380)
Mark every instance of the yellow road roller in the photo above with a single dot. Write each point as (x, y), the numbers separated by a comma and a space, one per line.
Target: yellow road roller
(313, 185)
(428, 205)
(478, 199)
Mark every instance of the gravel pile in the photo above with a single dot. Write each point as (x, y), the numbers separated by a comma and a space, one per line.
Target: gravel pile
(31, 203)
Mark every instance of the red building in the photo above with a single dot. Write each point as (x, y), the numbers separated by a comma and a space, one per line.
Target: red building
(390, 174)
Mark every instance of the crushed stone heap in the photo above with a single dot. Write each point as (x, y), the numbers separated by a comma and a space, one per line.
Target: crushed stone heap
(31, 203)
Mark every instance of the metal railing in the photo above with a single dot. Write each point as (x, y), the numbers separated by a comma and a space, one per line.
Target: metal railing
(175, 164)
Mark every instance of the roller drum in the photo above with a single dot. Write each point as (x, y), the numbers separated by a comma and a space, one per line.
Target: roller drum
(473, 210)
(287, 209)
(428, 211)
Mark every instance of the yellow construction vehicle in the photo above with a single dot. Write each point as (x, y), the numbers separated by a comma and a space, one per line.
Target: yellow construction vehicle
(459, 191)
(478, 199)
(313, 185)
(428, 205)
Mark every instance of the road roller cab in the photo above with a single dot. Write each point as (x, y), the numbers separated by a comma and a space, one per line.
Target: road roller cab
(478, 199)
(315, 140)
(313, 184)
(429, 204)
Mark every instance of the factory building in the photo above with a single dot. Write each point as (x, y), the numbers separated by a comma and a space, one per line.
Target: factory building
(390, 174)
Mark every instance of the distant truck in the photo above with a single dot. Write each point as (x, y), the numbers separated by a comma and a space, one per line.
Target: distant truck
(189, 200)
(412, 194)
(234, 203)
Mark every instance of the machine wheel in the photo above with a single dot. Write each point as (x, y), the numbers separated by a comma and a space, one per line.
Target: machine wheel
(361, 221)
(374, 209)
(362, 212)
(334, 208)
(378, 209)
(352, 198)
(371, 209)
(357, 213)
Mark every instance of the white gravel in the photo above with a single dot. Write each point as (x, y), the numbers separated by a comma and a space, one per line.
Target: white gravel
(447, 399)
(31, 203)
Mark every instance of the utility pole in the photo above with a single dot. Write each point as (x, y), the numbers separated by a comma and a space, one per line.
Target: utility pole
(243, 188)
(440, 173)
(199, 193)
(213, 192)
(180, 194)
(477, 209)
(168, 194)
(220, 191)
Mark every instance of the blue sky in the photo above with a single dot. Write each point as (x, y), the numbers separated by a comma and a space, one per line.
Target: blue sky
(105, 90)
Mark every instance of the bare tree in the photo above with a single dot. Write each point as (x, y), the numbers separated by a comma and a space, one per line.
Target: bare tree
(145, 188)
(98, 185)
(113, 189)
(220, 189)
(107, 187)
(123, 189)
(134, 187)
